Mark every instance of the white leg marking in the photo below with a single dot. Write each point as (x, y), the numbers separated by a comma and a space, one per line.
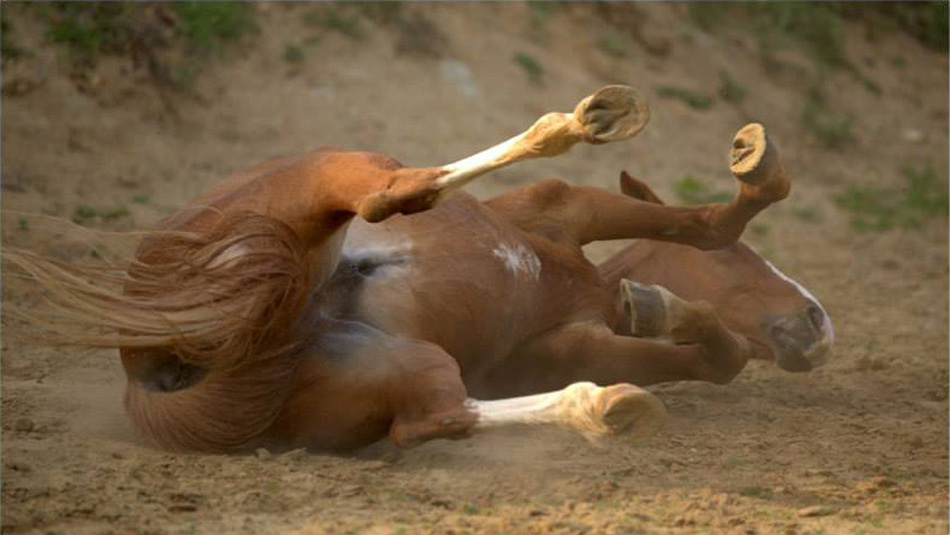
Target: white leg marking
(596, 412)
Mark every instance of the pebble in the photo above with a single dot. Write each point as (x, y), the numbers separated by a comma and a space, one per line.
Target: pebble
(262, 453)
(912, 135)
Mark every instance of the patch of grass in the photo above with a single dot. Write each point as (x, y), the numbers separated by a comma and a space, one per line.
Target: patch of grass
(206, 25)
(93, 29)
(470, 509)
(293, 54)
(815, 26)
(83, 213)
(531, 67)
(141, 198)
(832, 129)
(729, 89)
(380, 12)
(8, 50)
(540, 15)
(879, 209)
(690, 98)
(613, 44)
(812, 214)
(23, 224)
(692, 190)
(337, 20)
(89, 29)
(758, 229)
(756, 492)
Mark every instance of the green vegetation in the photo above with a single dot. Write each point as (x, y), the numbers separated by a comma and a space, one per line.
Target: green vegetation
(83, 214)
(470, 509)
(337, 20)
(141, 198)
(692, 190)
(613, 44)
(691, 99)
(880, 209)
(8, 50)
(293, 54)
(94, 29)
(816, 27)
(23, 223)
(833, 130)
(729, 90)
(540, 15)
(756, 492)
(812, 214)
(206, 25)
(531, 66)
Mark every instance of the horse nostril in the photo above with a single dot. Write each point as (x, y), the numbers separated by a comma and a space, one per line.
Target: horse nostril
(816, 316)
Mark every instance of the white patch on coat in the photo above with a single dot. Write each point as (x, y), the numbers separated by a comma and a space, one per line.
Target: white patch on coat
(519, 259)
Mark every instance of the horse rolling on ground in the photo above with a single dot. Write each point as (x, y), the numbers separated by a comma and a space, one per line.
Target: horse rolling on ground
(266, 311)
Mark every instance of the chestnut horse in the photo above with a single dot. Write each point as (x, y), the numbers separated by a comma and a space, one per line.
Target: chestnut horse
(266, 311)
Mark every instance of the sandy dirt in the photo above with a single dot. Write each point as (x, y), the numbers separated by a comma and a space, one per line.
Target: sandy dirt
(859, 446)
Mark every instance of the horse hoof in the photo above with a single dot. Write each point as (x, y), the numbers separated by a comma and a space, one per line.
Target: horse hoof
(613, 113)
(754, 161)
(646, 308)
(632, 411)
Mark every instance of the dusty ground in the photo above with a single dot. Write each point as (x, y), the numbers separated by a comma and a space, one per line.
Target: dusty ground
(858, 446)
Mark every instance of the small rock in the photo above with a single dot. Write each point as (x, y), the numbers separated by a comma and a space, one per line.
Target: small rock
(815, 510)
(293, 456)
(443, 503)
(262, 453)
(912, 135)
(537, 512)
(460, 76)
(24, 425)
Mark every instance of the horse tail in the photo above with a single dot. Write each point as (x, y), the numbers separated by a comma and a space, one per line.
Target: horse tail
(205, 322)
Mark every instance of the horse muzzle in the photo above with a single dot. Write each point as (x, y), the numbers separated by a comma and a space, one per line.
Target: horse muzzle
(802, 341)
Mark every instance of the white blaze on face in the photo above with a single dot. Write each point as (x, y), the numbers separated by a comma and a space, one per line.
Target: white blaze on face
(519, 260)
(827, 328)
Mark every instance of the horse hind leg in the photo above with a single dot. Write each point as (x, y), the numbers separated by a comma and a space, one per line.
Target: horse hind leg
(595, 412)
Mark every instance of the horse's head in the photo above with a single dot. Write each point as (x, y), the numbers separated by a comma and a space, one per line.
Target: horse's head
(781, 318)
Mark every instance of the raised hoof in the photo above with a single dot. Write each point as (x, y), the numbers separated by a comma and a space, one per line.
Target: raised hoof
(632, 411)
(753, 160)
(613, 113)
(646, 308)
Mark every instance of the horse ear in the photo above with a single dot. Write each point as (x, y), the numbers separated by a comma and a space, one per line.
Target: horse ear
(637, 189)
